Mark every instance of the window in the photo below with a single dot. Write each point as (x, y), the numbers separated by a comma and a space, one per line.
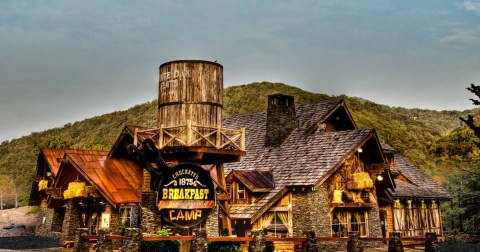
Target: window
(278, 226)
(125, 217)
(93, 224)
(347, 221)
(241, 192)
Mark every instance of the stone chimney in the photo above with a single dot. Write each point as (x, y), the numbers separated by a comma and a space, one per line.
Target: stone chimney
(281, 119)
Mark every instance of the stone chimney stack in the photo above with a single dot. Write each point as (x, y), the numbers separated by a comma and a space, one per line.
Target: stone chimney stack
(281, 119)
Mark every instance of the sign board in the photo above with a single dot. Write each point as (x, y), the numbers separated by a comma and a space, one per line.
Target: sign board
(105, 220)
(186, 195)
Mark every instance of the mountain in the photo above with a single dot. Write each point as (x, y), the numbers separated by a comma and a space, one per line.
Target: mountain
(426, 137)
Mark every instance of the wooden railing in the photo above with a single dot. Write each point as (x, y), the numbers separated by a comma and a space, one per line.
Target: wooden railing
(249, 239)
(196, 135)
(296, 242)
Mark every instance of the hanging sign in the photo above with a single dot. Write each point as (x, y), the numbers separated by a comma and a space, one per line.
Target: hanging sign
(186, 195)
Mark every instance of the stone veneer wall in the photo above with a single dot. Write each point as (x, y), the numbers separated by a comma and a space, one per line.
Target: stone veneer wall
(151, 219)
(374, 227)
(71, 221)
(211, 224)
(43, 228)
(310, 211)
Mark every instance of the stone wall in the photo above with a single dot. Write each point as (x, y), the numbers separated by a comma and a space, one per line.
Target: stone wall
(310, 211)
(71, 221)
(44, 222)
(151, 218)
(211, 224)
(374, 227)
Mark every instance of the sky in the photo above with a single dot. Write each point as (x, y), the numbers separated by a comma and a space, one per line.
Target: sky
(64, 61)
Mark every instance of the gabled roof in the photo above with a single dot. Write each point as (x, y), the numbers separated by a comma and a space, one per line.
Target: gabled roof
(421, 185)
(51, 157)
(304, 158)
(332, 111)
(255, 181)
(258, 208)
(118, 180)
(126, 137)
(48, 161)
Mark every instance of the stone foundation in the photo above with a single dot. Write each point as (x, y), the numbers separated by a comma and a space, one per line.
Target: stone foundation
(211, 224)
(150, 215)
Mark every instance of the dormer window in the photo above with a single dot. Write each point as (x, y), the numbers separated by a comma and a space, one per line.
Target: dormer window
(241, 192)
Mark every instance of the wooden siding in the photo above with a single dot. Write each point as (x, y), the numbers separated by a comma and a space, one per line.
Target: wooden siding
(389, 219)
(190, 91)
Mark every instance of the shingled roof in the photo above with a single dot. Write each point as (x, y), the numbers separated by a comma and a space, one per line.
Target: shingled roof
(421, 185)
(255, 181)
(303, 159)
(255, 210)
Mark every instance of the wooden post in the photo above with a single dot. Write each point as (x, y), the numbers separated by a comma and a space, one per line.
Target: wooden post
(225, 205)
(189, 132)
(160, 137)
(135, 137)
(218, 137)
(242, 141)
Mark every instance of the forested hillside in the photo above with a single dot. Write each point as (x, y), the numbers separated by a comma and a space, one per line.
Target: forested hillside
(430, 139)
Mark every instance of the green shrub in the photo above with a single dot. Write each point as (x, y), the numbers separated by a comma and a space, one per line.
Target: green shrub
(224, 246)
(160, 246)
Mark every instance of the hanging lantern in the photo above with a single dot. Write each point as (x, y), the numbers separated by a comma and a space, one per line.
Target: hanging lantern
(42, 184)
(75, 189)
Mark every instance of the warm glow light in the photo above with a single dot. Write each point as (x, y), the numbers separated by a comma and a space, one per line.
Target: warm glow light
(379, 177)
(360, 150)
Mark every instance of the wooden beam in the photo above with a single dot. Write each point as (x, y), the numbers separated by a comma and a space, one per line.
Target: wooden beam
(226, 221)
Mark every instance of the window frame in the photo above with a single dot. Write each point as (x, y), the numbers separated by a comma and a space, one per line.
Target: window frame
(241, 192)
(126, 221)
(348, 224)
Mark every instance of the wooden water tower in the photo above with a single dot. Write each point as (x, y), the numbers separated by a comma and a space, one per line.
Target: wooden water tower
(190, 106)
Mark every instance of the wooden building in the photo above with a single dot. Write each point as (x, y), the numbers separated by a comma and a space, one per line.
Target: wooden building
(309, 167)
(85, 189)
(306, 168)
(414, 205)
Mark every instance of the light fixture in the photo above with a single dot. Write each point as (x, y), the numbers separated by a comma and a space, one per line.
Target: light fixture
(49, 174)
(360, 150)
(379, 177)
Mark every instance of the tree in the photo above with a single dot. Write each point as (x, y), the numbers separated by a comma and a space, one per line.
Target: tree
(465, 186)
(7, 191)
(470, 119)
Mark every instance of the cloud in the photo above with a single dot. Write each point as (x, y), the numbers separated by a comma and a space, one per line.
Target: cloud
(472, 6)
(460, 38)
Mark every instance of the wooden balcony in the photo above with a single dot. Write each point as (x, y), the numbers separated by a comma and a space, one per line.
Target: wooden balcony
(194, 142)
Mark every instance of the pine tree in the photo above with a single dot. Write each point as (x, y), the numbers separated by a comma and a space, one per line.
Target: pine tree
(470, 120)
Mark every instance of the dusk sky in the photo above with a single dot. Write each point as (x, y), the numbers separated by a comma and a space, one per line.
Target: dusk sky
(64, 61)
